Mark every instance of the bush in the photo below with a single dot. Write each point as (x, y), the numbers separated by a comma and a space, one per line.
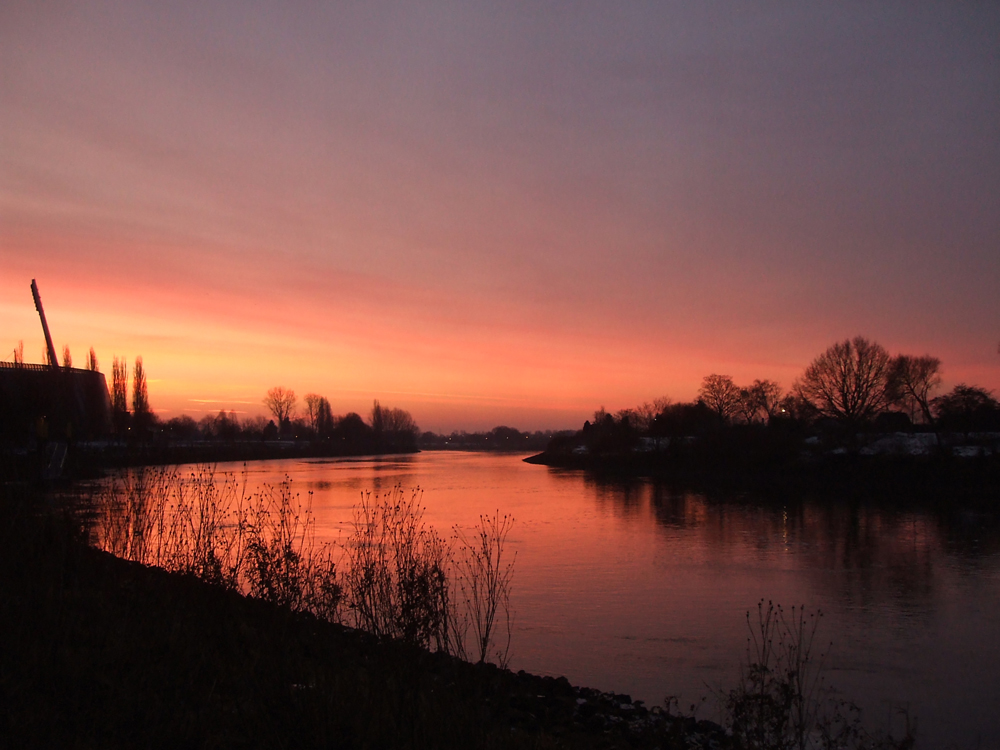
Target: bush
(400, 580)
(781, 701)
(395, 579)
(203, 524)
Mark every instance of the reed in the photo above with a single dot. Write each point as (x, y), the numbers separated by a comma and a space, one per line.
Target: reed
(781, 700)
(394, 577)
(207, 524)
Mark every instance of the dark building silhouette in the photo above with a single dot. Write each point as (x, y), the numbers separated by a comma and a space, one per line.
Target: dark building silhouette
(58, 403)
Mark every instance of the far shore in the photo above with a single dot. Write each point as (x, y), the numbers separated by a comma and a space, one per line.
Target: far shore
(931, 479)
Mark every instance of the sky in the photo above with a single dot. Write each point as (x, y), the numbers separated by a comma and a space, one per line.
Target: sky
(497, 213)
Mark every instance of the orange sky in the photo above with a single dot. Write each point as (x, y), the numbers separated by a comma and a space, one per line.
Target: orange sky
(490, 214)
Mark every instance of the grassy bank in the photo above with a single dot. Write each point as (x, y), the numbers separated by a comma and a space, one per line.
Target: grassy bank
(101, 652)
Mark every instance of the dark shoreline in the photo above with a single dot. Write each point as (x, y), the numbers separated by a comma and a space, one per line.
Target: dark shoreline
(100, 652)
(917, 480)
(93, 460)
(153, 455)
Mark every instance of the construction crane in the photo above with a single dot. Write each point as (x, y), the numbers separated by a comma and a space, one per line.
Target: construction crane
(53, 360)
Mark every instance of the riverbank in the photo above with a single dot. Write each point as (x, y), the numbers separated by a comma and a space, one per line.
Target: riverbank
(59, 462)
(904, 480)
(99, 652)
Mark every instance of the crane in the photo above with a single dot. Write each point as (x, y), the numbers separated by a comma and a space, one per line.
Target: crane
(53, 360)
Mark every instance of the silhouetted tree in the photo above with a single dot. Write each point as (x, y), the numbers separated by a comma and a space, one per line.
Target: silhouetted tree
(67, 357)
(140, 396)
(749, 405)
(377, 418)
(270, 431)
(911, 381)
(610, 434)
(280, 402)
(206, 426)
(769, 396)
(312, 409)
(119, 394)
(721, 395)
(324, 418)
(793, 407)
(393, 428)
(253, 426)
(399, 422)
(181, 428)
(92, 361)
(352, 433)
(760, 401)
(967, 408)
(222, 426)
(644, 414)
(683, 420)
(507, 437)
(848, 382)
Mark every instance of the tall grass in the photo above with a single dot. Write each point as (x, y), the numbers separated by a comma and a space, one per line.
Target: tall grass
(394, 576)
(781, 701)
(206, 524)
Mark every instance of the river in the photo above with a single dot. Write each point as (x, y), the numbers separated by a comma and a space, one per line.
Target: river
(633, 588)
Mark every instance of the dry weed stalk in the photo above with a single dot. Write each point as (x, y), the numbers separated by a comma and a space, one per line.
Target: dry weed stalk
(484, 576)
(205, 524)
(781, 701)
(395, 577)
(399, 576)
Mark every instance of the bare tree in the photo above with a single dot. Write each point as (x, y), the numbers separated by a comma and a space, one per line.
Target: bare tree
(644, 414)
(911, 382)
(312, 408)
(770, 395)
(19, 353)
(399, 422)
(92, 361)
(749, 404)
(281, 403)
(67, 357)
(848, 382)
(721, 395)
(484, 576)
(761, 400)
(394, 426)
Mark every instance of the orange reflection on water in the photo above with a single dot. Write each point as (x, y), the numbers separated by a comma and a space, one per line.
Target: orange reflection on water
(633, 587)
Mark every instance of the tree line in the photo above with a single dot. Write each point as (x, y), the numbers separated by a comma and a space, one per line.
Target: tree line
(500, 438)
(854, 386)
(387, 428)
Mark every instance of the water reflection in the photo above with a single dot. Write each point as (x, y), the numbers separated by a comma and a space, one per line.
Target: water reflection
(862, 556)
(634, 586)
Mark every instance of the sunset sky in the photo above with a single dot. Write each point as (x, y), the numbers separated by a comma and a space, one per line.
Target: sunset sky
(497, 213)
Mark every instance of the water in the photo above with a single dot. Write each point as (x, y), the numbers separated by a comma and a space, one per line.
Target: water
(632, 588)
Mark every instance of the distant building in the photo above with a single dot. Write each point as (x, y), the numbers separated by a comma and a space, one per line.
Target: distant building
(63, 403)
